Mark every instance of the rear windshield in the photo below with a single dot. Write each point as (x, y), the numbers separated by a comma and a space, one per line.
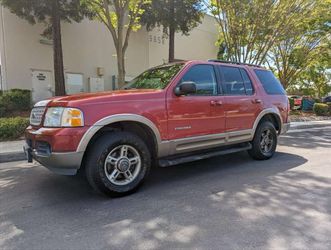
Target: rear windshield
(269, 82)
(155, 78)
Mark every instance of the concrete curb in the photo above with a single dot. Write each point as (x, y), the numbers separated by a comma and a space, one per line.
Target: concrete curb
(20, 155)
(12, 156)
(312, 124)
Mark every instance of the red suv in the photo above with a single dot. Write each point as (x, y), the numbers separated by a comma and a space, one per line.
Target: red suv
(168, 115)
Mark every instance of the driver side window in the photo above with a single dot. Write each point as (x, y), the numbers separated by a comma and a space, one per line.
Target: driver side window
(204, 78)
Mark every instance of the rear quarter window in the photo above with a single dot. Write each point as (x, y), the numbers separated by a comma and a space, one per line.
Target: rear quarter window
(270, 83)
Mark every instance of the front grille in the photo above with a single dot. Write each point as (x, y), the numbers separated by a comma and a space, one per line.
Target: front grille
(37, 115)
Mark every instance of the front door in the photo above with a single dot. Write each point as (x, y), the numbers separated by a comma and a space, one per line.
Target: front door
(41, 85)
(200, 113)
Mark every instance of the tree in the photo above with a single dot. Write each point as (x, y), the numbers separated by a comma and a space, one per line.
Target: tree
(317, 75)
(49, 12)
(173, 16)
(303, 44)
(121, 17)
(249, 28)
(317, 80)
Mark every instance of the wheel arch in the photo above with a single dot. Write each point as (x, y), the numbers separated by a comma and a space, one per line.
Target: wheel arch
(138, 124)
(271, 115)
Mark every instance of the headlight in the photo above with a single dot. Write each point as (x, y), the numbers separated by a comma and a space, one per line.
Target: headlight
(63, 117)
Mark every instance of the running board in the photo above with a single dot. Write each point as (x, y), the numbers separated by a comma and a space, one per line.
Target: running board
(166, 162)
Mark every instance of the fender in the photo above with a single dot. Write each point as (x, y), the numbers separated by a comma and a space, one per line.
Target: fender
(116, 118)
(264, 112)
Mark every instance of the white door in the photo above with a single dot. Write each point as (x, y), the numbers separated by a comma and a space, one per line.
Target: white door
(41, 85)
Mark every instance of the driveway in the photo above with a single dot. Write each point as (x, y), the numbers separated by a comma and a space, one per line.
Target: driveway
(228, 202)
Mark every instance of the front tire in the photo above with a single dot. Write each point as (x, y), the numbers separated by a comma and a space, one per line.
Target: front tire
(118, 163)
(264, 142)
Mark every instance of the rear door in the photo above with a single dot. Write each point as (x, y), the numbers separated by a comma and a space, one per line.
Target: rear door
(194, 114)
(241, 104)
(275, 93)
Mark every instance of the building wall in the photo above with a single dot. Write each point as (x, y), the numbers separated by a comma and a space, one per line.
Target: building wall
(21, 51)
(88, 45)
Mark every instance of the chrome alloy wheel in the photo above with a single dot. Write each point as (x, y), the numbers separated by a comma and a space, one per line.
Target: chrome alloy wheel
(122, 165)
(266, 141)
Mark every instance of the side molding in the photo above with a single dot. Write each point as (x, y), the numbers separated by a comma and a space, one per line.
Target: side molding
(179, 145)
(117, 118)
(184, 145)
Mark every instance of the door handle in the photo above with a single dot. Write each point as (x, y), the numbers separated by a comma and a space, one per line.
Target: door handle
(216, 103)
(256, 101)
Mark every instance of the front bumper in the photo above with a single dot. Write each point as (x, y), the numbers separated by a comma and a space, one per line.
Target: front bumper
(285, 128)
(61, 163)
(55, 148)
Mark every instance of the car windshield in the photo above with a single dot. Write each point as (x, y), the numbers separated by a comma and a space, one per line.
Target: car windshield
(155, 78)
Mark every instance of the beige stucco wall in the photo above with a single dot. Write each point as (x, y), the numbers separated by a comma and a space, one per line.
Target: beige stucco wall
(88, 45)
(21, 51)
(200, 44)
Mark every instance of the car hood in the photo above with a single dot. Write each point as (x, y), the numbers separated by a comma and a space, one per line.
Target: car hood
(107, 96)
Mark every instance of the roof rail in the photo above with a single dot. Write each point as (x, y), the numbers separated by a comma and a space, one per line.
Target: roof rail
(232, 62)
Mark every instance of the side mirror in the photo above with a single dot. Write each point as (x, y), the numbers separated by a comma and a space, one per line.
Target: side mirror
(185, 88)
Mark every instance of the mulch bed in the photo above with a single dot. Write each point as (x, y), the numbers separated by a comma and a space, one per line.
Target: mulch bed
(299, 116)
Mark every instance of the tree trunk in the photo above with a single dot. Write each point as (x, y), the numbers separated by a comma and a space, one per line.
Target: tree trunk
(120, 67)
(57, 51)
(284, 82)
(171, 44)
(318, 92)
(172, 32)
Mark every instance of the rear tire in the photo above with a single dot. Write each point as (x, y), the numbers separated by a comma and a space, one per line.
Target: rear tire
(264, 142)
(117, 163)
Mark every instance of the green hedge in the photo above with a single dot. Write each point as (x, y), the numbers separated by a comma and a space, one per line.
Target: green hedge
(14, 100)
(329, 105)
(291, 100)
(12, 128)
(321, 109)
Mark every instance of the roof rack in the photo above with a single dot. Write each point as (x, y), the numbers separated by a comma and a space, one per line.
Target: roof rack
(232, 62)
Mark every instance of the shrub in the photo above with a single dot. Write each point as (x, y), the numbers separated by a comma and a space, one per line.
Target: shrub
(317, 100)
(14, 100)
(321, 109)
(329, 105)
(12, 128)
(291, 100)
(2, 108)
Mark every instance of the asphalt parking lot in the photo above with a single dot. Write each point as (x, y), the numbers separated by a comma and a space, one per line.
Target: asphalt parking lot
(228, 202)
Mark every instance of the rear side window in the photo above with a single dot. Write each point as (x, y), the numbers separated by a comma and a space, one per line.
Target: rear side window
(269, 82)
(236, 81)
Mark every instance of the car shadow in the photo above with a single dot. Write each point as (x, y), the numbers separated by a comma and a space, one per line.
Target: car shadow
(172, 208)
(221, 167)
(70, 188)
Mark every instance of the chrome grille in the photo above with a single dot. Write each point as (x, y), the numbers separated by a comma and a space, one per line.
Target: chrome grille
(37, 115)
